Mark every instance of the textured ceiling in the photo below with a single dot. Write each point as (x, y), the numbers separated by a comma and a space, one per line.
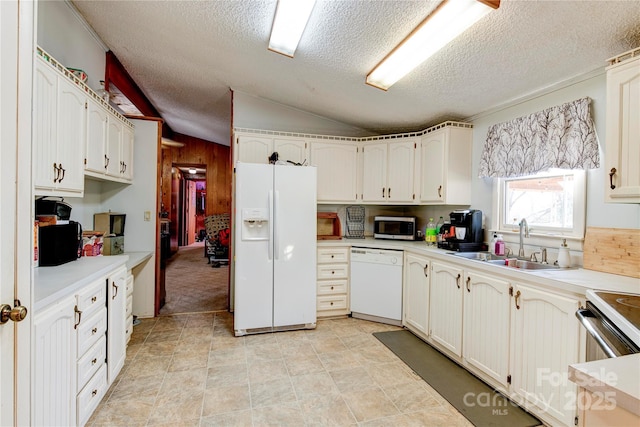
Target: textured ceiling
(186, 56)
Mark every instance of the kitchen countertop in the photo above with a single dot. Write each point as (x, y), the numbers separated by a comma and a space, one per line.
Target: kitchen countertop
(617, 378)
(54, 283)
(574, 280)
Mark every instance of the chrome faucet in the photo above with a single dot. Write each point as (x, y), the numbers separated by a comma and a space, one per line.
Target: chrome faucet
(544, 256)
(524, 232)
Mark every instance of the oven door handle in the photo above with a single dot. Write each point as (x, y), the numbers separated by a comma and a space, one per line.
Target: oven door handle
(587, 318)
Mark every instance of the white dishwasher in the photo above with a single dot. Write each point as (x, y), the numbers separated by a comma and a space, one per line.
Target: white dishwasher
(376, 285)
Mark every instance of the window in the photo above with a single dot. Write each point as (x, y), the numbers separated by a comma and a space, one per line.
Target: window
(553, 203)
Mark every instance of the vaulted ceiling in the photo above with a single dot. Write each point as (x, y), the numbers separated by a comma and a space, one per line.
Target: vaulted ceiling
(186, 56)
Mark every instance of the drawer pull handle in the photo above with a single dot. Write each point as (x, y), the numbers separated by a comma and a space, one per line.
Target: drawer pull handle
(79, 313)
(458, 281)
(94, 330)
(94, 392)
(93, 362)
(94, 299)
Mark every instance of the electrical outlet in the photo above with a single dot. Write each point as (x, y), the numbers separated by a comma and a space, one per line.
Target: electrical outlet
(147, 215)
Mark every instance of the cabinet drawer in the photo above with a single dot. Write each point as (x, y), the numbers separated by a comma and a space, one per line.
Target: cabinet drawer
(129, 309)
(92, 297)
(89, 364)
(91, 330)
(328, 255)
(130, 284)
(333, 271)
(128, 329)
(332, 287)
(334, 302)
(91, 395)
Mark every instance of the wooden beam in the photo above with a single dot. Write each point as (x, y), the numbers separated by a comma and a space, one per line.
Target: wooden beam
(116, 74)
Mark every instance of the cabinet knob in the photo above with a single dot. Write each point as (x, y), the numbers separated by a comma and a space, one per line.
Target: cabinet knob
(94, 299)
(94, 330)
(332, 288)
(17, 313)
(94, 392)
(333, 272)
(93, 362)
(331, 302)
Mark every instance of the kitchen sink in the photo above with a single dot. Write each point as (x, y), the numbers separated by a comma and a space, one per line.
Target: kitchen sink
(479, 256)
(500, 260)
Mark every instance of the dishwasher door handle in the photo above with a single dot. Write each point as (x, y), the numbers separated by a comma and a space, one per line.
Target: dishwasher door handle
(589, 321)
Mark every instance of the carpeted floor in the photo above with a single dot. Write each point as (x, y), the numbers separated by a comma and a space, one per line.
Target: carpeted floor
(192, 285)
(478, 402)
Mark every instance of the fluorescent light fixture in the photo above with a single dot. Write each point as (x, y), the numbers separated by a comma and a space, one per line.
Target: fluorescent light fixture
(288, 25)
(450, 19)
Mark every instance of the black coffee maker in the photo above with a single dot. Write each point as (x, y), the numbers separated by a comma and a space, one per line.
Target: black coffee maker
(468, 231)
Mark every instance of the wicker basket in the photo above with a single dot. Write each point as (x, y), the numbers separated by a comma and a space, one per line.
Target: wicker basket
(355, 222)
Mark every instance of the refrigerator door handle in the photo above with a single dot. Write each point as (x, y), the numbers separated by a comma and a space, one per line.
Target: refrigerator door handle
(270, 242)
(276, 237)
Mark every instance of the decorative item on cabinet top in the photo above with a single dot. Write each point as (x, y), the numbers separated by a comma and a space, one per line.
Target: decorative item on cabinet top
(75, 75)
(329, 227)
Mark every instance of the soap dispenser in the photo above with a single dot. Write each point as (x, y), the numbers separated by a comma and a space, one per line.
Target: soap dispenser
(564, 257)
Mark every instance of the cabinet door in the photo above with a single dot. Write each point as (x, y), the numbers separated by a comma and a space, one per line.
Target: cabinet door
(126, 157)
(291, 150)
(486, 325)
(54, 375)
(432, 156)
(253, 149)
(114, 142)
(337, 170)
(416, 294)
(374, 173)
(95, 149)
(445, 308)
(623, 133)
(545, 337)
(45, 89)
(116, 327)
(400, 168)
(71, 127)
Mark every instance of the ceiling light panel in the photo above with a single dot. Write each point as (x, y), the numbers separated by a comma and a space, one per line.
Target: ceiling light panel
(289, 24)
(450, 19)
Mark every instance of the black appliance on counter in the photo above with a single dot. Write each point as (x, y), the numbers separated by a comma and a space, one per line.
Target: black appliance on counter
(59, 244)
(464, 233)
(53, 206)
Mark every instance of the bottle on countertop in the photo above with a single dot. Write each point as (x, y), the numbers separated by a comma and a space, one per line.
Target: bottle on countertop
(439, 225)
(564, 256)
(430, 234)
(499, 246)
(492, 245)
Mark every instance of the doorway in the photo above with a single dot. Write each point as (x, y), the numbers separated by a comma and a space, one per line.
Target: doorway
(191, 283)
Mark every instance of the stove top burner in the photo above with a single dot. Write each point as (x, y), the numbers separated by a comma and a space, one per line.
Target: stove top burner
(626, 305)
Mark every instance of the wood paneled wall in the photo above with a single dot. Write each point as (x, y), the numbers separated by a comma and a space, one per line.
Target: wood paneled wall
(216, 158)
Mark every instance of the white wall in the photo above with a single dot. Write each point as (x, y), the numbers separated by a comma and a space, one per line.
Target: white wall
(257, 113)
(63, 34)
(599, 213)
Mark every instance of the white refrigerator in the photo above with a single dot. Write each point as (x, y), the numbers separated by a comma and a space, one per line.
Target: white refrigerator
(275, 248)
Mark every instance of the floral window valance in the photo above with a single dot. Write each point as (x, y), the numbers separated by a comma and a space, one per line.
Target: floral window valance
(558, 137)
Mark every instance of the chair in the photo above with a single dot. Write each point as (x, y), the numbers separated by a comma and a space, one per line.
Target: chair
(217, 241)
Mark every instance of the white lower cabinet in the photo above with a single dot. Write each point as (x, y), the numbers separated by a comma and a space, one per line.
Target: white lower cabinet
(54, 374)
(129, 308)
(333, 281)
(445, 307)
(416, 294)
(79, 341)
(545, 339)
(486, 325)
(116, 332)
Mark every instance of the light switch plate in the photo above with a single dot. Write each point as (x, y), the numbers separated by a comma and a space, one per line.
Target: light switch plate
(147, 215)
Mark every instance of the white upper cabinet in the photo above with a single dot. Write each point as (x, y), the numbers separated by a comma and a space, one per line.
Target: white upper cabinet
(337, 165)
(388, 171)
(58, 133)
(258, 149)
(444, 166)
(622, 156)
(109, 145)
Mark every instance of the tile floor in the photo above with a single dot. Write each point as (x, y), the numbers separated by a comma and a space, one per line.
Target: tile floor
(189, 370)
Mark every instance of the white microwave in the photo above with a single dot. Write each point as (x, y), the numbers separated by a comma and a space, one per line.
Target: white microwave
(394, 227)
